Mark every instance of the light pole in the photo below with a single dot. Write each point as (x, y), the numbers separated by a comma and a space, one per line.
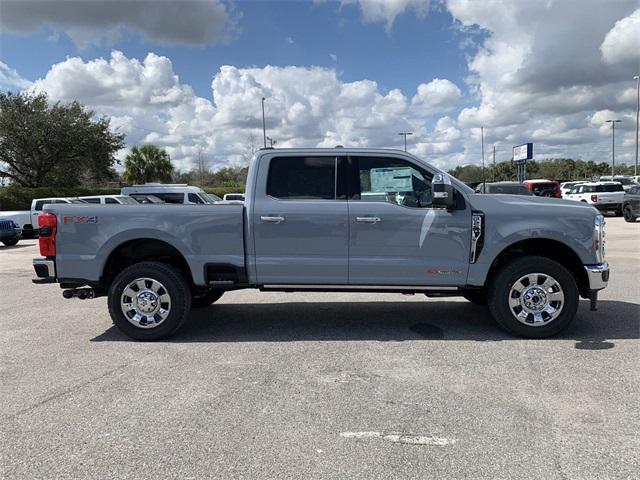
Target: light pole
(484, 186)
(264, 127)
(404, 134)
(637, 79)
(613, 145)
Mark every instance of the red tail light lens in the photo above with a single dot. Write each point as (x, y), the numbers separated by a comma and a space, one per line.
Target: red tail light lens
(594, 198)
(48, 226)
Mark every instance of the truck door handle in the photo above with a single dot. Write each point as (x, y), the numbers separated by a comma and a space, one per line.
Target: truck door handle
(368, 219)
(272, 218)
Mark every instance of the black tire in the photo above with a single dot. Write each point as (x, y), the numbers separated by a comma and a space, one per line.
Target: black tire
(206, 299)
(627, 212)
(10, 243)
(508, 275)
(477, 297)
(174, 283)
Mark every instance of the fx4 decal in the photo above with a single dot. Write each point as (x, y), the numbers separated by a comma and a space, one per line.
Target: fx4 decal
(79, 219)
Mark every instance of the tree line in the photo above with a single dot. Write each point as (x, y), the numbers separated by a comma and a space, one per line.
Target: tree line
(45, 144)
(562, 169)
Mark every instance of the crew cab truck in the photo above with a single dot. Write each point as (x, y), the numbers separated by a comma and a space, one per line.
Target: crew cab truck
(357, 220)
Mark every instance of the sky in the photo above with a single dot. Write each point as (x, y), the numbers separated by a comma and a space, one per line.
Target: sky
(189, 75)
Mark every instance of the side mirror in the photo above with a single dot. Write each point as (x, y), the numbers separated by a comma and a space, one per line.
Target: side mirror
(442, 192)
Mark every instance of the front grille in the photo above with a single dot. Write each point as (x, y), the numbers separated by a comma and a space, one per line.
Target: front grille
(6, 225)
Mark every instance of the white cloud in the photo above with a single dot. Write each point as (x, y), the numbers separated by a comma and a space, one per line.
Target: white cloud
(439, 95)
(386, 11)
(622, 42)
(540, 73)
(333, 57)
(193, 22)
(305, 106)
(11, 80)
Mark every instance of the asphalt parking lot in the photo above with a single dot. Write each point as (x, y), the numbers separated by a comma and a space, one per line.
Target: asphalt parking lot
(276, 385)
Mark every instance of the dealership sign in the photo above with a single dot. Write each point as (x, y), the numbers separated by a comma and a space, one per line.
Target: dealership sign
(523, 152)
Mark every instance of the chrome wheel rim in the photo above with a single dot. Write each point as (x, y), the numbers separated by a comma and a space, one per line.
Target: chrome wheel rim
(145, 302)
(536, 299)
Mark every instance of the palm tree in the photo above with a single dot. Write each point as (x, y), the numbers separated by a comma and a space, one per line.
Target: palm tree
(147, 163)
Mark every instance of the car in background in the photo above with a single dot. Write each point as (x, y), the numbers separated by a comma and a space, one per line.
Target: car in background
(508, 188)
(566, 187)
(10, 232)
(173, 193)
(631, 205)
(110, 200)
(38, 203)
(233, 197)
(27, 220)
(605, 196)
(146, 199)
(543, 188)
(627, 182)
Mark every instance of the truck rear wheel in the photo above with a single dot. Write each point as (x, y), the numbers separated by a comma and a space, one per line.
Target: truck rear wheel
(207, 298)
(149, 300)
(533, 297)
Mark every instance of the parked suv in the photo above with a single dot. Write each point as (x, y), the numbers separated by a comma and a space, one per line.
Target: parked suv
(508, 188)
(631, 205)
(543, 188)
(605, 196)
(9, 232)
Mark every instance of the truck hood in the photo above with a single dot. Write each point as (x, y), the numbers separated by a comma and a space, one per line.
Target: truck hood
(541, 205)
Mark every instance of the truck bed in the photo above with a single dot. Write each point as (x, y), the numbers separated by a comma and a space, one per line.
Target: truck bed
(203, 234)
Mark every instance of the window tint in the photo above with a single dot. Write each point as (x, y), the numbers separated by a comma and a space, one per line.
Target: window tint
(615, 187)
(170, 197)
(111, 200)
(39, 205)
(509, 189)
(91, 200)
(394, 181)
(302, 178)
(193, 198)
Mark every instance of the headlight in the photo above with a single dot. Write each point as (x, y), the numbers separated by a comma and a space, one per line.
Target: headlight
(598, 237)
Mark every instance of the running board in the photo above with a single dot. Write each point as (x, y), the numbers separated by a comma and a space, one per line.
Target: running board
(357, 288)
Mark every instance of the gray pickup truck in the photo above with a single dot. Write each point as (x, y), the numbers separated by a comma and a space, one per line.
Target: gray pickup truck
(357, 220)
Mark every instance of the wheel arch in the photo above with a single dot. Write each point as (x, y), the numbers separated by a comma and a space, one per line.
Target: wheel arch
(553, 249)
(139, 250)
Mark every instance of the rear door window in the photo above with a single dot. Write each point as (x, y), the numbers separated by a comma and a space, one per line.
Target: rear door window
(110, 200)
(302, 178)
(91, 200)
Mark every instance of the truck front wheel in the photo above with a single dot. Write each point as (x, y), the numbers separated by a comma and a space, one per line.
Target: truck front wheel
(149, 300)
(533, 297)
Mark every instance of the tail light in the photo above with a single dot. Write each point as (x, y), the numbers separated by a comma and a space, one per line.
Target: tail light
(594, 198)
(48, 226)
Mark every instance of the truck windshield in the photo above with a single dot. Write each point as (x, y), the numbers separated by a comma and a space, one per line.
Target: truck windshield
(210, 197)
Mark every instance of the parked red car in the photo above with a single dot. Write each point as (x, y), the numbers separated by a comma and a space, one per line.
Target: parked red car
(543, 188)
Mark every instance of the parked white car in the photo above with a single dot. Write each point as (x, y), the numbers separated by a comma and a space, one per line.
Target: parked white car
(110, 200)
(172, 193)
(566, 187)
(27, 220)
(605, 196)
(233, 197)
